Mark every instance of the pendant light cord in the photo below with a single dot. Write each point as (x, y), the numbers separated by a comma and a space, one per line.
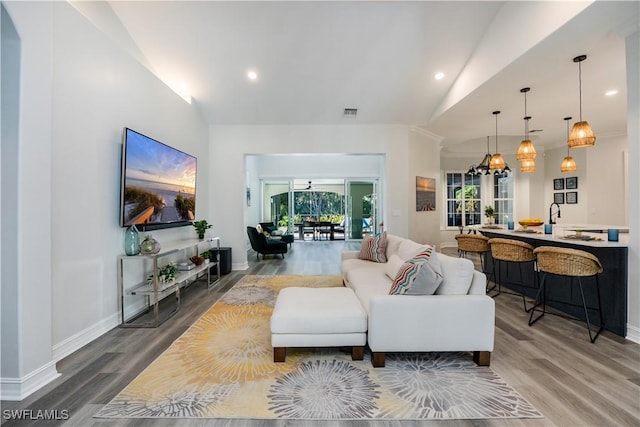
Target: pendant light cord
(580, 86)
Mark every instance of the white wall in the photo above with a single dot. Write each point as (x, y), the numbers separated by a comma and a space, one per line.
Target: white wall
(424, 161)
(229, 144)
(88, 88)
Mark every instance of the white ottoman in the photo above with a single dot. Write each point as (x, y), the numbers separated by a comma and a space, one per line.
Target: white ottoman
(318, 317)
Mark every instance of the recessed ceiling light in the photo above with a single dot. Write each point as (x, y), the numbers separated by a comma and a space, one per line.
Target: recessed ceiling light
(611, 92)
(252, 75)
(439, 75)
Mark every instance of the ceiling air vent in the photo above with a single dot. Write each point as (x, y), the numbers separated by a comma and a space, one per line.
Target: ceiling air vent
(350, 113)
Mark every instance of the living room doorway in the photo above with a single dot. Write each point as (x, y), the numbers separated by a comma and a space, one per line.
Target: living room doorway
(316, 209)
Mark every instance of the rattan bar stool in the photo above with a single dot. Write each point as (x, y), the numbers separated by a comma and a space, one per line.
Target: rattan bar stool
(572, 263)
(511, 251)
(473, 243)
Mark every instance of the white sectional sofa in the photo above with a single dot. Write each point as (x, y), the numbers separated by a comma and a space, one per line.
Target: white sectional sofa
(458, 317)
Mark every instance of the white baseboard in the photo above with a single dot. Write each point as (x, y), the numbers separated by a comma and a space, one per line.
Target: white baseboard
(448, 245)
(16, 389)
(84, 337)
(633, 333)
(240, 266)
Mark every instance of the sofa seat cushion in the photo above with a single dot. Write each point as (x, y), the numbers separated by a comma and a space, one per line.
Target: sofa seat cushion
(421, 275)
(368, 283)
(317, 311)
(457, 274)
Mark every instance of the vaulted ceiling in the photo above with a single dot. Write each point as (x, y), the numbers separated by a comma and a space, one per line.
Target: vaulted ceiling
(314, 59)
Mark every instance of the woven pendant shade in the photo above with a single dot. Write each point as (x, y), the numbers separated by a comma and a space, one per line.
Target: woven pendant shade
(568, 165)
(581, 133)
(497, 162)
(526, 151)
(528, 165)
(581, 136)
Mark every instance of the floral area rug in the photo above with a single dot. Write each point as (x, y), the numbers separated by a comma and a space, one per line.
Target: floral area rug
(222, 367)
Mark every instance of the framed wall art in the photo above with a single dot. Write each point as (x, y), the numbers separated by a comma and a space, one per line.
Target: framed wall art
(558, 184)
(572, 197)
(558, 198)
(572, 183)
(425, 194)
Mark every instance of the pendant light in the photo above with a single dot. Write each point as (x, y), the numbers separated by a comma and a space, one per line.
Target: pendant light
(497, 163)
(568, 164)
(483, 167)
(581, 134)
(526, 150)
(528, 165)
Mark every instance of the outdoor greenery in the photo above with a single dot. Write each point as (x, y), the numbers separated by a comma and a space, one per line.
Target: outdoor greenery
(142, 199)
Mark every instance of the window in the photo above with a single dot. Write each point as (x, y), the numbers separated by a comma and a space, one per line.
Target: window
(464, 196)
(466, 199)
(503, 197)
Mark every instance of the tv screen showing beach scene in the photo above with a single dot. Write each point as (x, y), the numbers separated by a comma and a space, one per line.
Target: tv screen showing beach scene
(158, 182)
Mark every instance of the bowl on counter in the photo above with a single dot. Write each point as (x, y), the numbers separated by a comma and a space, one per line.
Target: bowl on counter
(530, 222)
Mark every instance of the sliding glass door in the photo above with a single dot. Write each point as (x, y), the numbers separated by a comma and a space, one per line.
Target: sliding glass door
(361, 208)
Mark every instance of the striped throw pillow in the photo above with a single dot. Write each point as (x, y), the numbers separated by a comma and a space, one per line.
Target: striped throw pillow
(421, 275)
(374, 248)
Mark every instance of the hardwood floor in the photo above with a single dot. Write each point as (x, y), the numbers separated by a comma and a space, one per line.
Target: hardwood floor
(552, 364)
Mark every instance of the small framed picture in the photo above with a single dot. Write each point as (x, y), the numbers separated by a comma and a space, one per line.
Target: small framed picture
(572, 183)
(572, 197)
(558, 198)
(558, 184)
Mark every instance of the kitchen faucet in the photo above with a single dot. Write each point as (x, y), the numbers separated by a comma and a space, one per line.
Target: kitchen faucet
(551, 221)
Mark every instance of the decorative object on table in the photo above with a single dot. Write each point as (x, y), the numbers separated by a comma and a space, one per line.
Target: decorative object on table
(558, 184)
(548, 229)
(201, 227)
(197, 259)
(581, 133)
(149, 245)
(612, 234)
(490, 213)
(510, 225)
(131, 241)
(208, 255)
(568, 163)
(572, 197)
(531, 222)
(167, 273)
(571, 182)
(558, 198)
(425, 194)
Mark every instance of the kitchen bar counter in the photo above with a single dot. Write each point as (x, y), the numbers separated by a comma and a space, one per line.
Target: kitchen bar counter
(613, 280)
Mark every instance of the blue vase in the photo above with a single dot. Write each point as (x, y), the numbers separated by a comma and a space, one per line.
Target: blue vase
(131, 241)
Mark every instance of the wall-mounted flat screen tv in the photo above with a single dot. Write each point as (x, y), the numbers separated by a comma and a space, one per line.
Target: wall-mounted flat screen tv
(158, 184)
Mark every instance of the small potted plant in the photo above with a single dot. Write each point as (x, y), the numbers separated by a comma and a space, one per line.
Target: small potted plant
(201, 227)
(489, 213)
(167, 273)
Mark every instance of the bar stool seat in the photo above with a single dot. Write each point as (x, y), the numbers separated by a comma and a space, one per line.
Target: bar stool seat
(572, 263)
(473, 243)
(511, 251)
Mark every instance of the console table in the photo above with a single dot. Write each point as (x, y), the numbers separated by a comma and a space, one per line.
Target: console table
(131, 284)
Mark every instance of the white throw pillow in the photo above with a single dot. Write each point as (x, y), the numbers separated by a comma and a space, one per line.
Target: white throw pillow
(408, 249)
(457, 274)
(259, 228)
(393, 265)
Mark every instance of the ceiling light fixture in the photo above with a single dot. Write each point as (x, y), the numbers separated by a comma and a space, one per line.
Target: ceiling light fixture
(252, 75)
(568, 164)
(581, 134)
(526, 150)
(497, 164)
(528, 165)
(483, 167)
(439, 75)
(611, 92)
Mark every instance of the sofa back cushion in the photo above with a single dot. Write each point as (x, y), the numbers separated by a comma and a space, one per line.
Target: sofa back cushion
(457, 274)
(421, 275)
(374, 248)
